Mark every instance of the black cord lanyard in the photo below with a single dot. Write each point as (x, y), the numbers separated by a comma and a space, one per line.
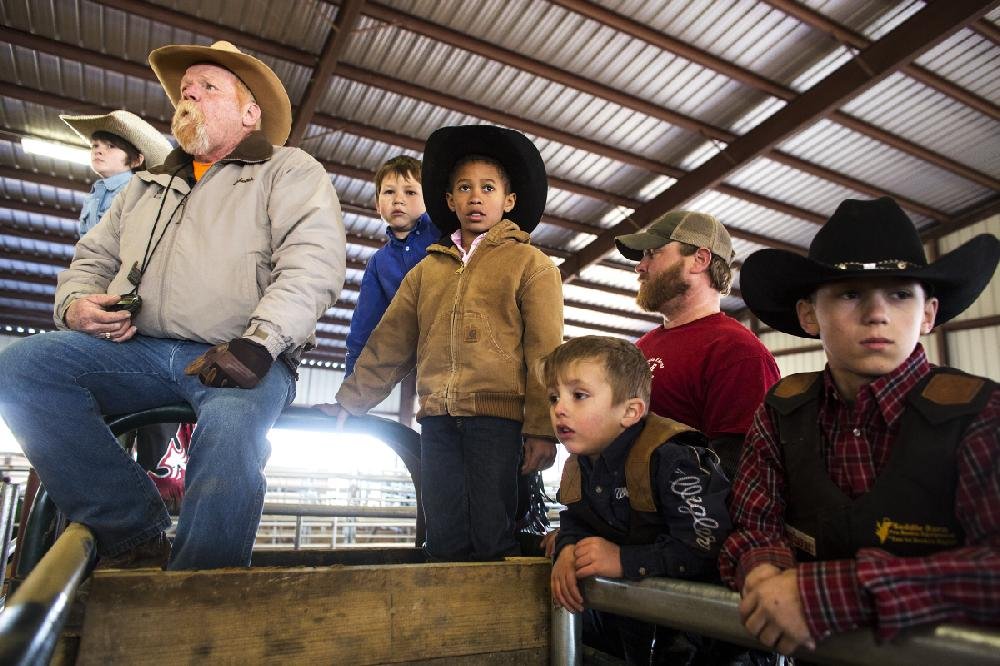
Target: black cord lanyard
(136, 272)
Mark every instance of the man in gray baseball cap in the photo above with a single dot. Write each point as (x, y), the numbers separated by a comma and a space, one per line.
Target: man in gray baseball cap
(709, 371)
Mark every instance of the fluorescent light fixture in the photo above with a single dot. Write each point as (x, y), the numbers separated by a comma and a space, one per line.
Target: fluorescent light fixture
(59, 151)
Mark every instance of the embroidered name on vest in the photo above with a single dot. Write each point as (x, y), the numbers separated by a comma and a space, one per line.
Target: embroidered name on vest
(889, 531)
(243, 180)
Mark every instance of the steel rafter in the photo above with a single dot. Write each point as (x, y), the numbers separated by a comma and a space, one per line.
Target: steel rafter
(914, 36)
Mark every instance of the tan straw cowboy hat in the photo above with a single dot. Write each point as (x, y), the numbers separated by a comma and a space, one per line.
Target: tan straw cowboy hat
(170, 62)
(146, 138)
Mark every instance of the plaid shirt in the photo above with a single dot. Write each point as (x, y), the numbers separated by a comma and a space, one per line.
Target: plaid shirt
(875, 587)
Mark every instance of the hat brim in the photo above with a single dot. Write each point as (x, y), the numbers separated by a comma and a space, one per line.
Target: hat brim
(773, 281)
(170, 62)
(633, 245)
(518, 155)
(146, 138)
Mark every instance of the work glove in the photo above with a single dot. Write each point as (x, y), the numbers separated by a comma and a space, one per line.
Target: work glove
(241, 362)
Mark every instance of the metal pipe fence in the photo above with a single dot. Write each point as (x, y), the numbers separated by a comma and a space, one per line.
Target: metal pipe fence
(712, 610)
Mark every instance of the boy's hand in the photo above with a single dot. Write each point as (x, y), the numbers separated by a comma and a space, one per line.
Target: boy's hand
(596, 556)
(565, 591)
(772, 611)
(759, 573)
(539, 454)
(337, 411)
(548, 542)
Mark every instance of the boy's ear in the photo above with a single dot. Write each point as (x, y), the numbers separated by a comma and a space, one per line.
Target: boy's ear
(930, 314)
(806, 311)
(635, 409)
(508, 202)
(137, 162)
(451, 201)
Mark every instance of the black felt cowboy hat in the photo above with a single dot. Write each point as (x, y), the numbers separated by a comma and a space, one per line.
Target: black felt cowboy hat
(518, 155)
(865, 239)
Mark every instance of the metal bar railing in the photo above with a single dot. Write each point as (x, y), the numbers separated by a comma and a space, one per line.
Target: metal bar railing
(32, 621)
(712, 610)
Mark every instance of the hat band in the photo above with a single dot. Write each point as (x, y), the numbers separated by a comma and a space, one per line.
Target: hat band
(884, 265)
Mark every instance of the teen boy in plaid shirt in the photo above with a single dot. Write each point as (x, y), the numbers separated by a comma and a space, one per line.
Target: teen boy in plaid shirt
(868, 494)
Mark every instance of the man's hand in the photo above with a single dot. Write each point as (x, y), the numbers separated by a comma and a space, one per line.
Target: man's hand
(87, 315)
(238, 363)
(539, 454)
(596, 556)
(772, 611)
(565, 591)
(335, 410)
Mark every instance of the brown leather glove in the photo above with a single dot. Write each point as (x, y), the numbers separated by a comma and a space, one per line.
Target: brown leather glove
(240, 362)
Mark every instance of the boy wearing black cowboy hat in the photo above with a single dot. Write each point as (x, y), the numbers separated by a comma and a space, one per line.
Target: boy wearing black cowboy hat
(480, 309)
(868, 494)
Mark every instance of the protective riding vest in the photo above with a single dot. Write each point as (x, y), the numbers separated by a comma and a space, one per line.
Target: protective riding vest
(644, 522)
(909, 510)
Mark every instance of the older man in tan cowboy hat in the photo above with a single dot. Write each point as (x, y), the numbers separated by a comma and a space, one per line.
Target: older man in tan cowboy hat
(202, 284)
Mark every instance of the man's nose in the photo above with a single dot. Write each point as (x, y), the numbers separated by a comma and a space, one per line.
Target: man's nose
(189, 92)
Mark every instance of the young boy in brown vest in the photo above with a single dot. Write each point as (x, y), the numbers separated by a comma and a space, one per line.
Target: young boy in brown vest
(643, 495)
(868, 494)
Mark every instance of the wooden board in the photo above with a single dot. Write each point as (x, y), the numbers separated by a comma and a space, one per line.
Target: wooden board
(357, 615)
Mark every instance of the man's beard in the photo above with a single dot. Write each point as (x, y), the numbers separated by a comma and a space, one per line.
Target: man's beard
(657, 291)
(188, 127)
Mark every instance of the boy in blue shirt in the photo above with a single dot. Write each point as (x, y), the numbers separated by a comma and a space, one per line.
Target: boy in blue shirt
(399, 200)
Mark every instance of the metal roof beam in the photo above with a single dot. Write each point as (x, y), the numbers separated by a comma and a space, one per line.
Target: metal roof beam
(763, 84)
(914, 36)
(347, 18)
(704, 129)
(849, 37)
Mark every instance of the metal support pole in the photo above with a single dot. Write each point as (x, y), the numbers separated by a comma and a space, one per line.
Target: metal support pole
(566, 648)
(8, 506)
(298, 532)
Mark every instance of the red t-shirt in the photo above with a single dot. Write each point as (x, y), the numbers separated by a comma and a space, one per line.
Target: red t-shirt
(711, 374)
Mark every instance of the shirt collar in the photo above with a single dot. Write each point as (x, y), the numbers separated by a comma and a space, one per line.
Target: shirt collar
(614, 456)
(888, 391)
(421, 227)
(116, 181)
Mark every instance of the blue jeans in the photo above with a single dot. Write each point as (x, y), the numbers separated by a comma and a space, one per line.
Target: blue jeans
(55, 389)
(468, 480)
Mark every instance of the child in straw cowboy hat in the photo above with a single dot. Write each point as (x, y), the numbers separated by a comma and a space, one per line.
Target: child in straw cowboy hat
(868, 494)
(121, 143)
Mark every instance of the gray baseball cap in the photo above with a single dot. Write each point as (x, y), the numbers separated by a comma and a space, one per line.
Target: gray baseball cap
(685, 226)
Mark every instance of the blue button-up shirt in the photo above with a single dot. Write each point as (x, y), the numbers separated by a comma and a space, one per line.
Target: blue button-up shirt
(97, 203)
(383, 275)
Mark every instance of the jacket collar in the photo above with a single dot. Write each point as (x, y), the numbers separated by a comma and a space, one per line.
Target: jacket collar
(254, 148)
(502, 232)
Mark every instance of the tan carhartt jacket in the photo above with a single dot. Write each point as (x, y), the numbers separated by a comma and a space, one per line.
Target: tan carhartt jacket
(473, 332)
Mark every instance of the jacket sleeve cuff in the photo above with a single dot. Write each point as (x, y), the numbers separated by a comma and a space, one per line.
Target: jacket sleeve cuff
(269, 336)
(778, 556)
(640, 561)
(832, 601)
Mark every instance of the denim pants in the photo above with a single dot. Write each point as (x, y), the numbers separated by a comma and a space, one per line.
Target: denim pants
(468, 479)
(56, 387)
